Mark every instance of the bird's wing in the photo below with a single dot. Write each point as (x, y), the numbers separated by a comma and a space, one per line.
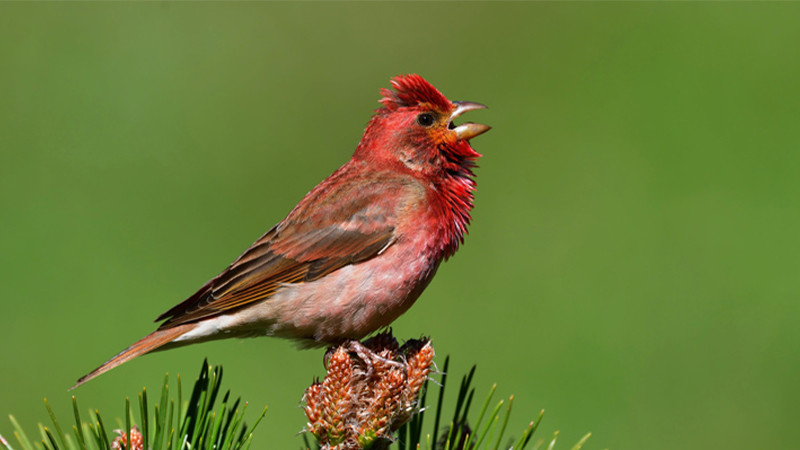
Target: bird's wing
(331, 228)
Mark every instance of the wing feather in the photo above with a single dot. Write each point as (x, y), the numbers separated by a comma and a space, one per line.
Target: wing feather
(358, 227)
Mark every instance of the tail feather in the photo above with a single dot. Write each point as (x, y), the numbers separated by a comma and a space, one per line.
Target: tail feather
(147, 344)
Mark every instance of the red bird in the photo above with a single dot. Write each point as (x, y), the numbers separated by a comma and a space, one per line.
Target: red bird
(358, 250)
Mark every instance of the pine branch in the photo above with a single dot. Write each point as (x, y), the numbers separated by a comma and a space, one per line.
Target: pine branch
(342, 414)
(373, 397)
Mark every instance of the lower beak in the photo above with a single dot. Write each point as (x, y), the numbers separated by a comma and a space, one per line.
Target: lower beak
(469, 130)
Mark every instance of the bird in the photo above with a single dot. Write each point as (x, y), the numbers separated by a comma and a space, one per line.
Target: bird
(358, 250)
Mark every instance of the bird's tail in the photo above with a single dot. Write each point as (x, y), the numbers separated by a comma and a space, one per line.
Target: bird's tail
(147, 344)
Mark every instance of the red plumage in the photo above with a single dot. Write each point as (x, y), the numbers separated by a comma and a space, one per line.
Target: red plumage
(358, 249)
(410, 91)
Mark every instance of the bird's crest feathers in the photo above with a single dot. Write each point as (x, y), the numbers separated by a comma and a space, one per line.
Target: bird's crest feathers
(411, 90)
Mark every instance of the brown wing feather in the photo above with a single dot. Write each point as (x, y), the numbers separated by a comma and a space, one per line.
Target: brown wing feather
(296, 251)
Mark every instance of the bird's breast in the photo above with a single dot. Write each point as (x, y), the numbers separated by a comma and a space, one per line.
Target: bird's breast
(348, 303)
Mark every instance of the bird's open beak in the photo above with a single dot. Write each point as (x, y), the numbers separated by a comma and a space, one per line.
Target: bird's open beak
(469, 130)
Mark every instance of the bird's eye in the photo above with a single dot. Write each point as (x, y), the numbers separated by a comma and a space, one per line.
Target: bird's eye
(425, 119)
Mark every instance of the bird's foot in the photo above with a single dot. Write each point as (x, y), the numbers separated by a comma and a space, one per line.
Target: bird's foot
(370, 357)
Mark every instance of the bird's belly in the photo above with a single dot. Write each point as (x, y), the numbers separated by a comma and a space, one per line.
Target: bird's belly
(349, 303)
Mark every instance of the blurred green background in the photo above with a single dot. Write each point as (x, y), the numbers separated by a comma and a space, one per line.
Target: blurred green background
(633, 263)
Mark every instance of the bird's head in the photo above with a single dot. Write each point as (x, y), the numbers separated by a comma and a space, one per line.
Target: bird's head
(415, 128)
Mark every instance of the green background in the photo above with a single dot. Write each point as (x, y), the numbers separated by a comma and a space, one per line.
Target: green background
(632, 267)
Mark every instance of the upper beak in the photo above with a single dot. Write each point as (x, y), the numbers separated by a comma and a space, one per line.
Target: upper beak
(469, 130)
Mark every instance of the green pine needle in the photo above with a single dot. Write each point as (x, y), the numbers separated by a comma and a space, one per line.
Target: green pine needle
(581, 442)
(19, 433)
(200, 423)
